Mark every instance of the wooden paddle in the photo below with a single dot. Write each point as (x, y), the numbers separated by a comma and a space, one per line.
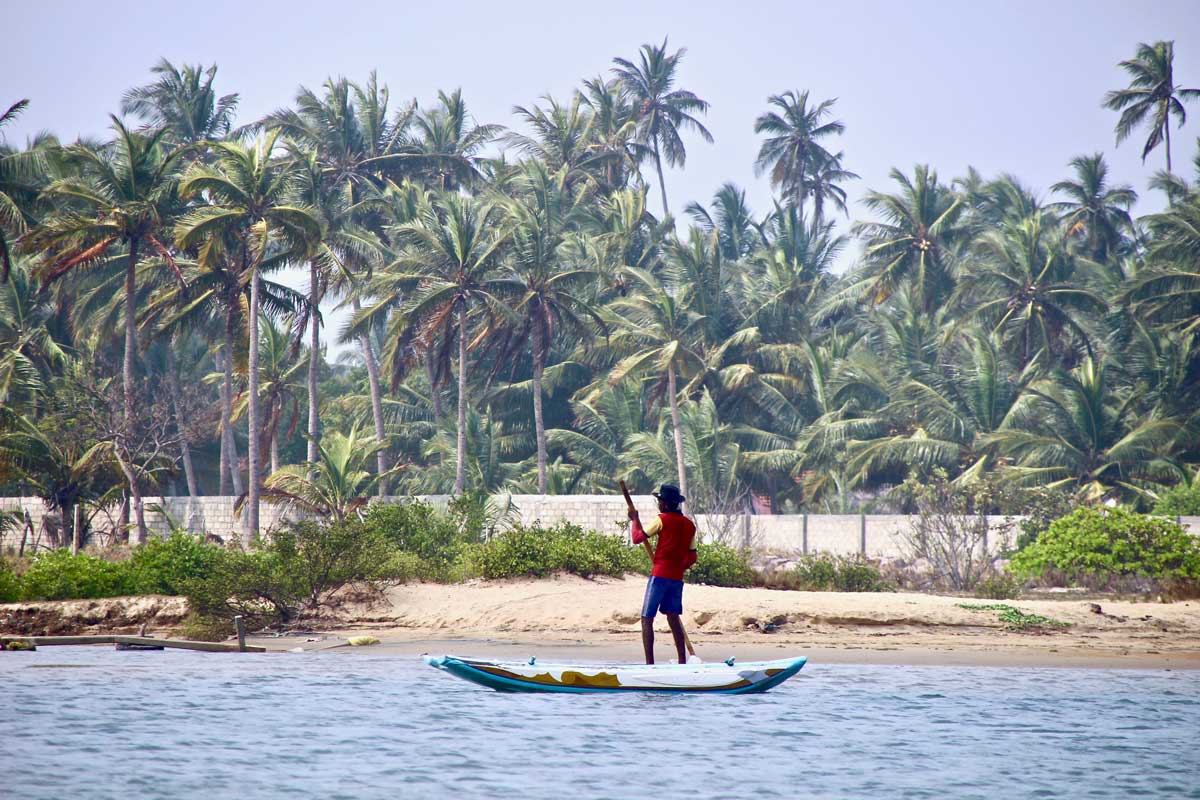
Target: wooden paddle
(687, 642)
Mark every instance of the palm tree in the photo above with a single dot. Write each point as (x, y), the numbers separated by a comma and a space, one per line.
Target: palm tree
(449, 142)
(251, 225)
(28, 349)
(614, 130)
(1097, 212)
(21, 173)
(662, 112)
(730, 218)
(446, 273)
(1168, 292)
(792, 151)
(916, 242)
(182, 102)
(1152, 93)
(123, 196)
(553, 296)
(562, 139)
(659, 333)
(350, 145)
(603, 424)
(786, 276)
(823, 186)
(1027, 283)
(336, 484)
(1076, 431)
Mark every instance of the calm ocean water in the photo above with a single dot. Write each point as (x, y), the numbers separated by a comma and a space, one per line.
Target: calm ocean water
(95, 723)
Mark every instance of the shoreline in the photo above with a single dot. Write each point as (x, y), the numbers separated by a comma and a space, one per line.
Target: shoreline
(570, 618)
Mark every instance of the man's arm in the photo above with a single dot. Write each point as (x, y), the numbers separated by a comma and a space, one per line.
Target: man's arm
(642, 535)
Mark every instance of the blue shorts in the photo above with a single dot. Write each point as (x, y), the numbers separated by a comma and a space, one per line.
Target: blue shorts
(663, 594)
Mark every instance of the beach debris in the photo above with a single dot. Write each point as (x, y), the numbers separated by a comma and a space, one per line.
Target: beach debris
(361, 641)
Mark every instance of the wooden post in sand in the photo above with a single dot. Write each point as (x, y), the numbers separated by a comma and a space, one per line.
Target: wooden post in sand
(241, 632)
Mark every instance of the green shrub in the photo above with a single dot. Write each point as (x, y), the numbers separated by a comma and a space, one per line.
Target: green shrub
(416, 527)
(534, 551)
(1180, 501)
(1041, 507)
(998, 586)
(163, 566)
(10, 584)
(297, 571)
(825, 572)
(1101, 543)
(58, 575)
(721, 565)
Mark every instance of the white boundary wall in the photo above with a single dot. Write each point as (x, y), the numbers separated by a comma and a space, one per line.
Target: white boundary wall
(876, 535)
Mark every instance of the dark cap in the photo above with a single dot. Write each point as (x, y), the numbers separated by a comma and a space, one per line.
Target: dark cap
(669, 494)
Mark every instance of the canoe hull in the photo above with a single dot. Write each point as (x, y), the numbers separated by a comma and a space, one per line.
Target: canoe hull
(718, 678)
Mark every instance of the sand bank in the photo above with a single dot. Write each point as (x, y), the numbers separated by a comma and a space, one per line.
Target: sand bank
(569, 617)
(573, 618)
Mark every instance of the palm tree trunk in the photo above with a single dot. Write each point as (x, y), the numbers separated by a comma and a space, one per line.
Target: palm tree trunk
(539, 425)
(662, 184)
(1167, 126)
(185, 451)
(130, 332)
(679, 465)
(230, 443)
(314, 355)
(275, 448)
(127, 374)
(252, 455)
(434, 394)
(364, 342)
(460, 478)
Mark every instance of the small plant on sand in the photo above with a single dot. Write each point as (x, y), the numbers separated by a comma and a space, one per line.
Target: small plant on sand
(998, 585)
(1015, 619)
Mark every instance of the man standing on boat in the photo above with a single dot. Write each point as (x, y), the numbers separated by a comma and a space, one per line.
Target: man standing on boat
(672, 554)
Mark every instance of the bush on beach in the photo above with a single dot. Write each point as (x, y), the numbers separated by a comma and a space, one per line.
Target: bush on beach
(1094, 546)
(534, 551)
(825, 572)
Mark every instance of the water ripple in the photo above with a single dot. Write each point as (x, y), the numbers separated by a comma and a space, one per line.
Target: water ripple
(95, 723)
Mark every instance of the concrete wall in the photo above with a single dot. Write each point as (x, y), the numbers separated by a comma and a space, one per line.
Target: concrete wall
(876, 535)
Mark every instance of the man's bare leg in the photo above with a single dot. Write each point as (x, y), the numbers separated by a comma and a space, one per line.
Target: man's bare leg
(677, 632)
(648, 638)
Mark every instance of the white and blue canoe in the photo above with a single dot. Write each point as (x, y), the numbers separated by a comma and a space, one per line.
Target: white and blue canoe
(721, 677)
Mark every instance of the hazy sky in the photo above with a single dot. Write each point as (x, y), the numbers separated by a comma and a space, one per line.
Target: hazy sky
(1006, 87)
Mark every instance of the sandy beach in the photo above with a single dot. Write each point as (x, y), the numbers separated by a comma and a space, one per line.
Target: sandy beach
(573, 618)
(570, 617)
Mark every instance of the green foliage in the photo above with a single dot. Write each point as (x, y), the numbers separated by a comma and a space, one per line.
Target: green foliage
(299, 570)
(1016, 619)
(164, 566)
(721, 565)
(58, 575)
(998, 586)
(1109, 542)
(824, 572)
(10, 584)
(536, 551)
(1180, 501)
(420, 529)
(1042, 507)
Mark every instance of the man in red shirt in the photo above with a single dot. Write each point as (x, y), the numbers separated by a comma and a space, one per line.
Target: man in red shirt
(674, 552)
